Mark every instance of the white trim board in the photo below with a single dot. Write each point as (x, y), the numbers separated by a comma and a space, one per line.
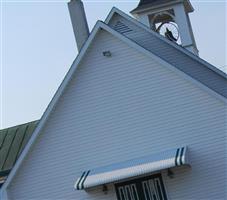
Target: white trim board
(51, 106)
(99, 25)
(183, 50)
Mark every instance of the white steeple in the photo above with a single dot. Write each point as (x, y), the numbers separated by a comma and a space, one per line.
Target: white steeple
(170, 18)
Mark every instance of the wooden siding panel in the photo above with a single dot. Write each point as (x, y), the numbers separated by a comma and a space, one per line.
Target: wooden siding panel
(180, 60)
(119, 108)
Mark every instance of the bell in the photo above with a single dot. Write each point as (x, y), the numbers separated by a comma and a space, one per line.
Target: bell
(170, 36)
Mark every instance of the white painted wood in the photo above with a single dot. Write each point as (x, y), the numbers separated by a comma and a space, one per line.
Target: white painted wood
(50, 107)
(3, 194)
(166, 54)
(116, 12)
(144, 19)
(185, 28)
(72, 70)
(120, 108)
(65, 82)
(181, 18)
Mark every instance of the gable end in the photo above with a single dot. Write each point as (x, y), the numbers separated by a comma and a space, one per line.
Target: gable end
(173, 54)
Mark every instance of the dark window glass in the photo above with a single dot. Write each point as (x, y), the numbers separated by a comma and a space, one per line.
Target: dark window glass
(147, 188)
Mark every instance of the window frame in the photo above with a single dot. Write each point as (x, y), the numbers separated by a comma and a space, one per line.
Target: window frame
(138, 181)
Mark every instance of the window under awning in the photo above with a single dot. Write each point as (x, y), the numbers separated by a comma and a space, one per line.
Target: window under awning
(132, 168)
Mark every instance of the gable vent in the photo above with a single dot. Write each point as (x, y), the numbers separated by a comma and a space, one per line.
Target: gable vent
(121, 28)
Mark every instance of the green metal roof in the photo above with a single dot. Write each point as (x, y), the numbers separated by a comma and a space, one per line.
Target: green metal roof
(12, 143)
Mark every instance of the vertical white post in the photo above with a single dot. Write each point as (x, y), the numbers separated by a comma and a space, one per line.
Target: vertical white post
(79, 22)
(185, 29)
(144, 19)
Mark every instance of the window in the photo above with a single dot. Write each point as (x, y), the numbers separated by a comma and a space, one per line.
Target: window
(148, 188)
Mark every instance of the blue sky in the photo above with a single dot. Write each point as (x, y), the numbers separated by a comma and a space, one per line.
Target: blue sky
(38, 48)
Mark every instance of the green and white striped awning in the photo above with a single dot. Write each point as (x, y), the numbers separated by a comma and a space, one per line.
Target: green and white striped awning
(132, 168)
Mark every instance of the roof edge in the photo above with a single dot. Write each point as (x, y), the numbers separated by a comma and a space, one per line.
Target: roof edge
(140, 9)
(50, 107)
(182, 49)
(99, 25)
(15, 126)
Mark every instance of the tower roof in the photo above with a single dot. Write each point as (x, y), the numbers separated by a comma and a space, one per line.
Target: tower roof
(145, 4)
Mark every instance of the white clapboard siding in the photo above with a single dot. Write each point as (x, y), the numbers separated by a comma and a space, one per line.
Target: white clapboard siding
(119, 108)
(170, 52)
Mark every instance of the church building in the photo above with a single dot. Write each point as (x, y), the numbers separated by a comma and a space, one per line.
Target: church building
(139, 115)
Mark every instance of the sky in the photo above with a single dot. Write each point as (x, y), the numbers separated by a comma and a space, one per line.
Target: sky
(38, 48)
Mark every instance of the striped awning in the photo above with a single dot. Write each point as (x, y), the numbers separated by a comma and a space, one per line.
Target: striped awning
(132, 168)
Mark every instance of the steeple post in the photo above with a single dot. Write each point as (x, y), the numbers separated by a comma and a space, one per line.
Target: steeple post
(144, 19)
(185, 29)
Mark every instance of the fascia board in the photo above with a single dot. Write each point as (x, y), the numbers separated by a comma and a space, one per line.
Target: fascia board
(51, 106)
(162, 62)
(183, 50)
(99, 25)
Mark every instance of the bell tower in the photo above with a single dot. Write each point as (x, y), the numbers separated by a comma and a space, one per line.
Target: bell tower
(170, 18)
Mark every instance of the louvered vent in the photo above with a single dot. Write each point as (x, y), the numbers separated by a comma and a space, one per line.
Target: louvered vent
(121, 28)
